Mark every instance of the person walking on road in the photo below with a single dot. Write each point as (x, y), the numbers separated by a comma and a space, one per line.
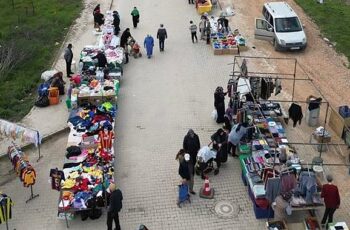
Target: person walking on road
(190, 2)
(68, 56)
(135, 16)
(185, 169)
(219, 104)
(191, 145)
(331, 197)
(96, 10)
(162, 35)
(115, 205)
(202, 27)
(193, 29)
(148, 44)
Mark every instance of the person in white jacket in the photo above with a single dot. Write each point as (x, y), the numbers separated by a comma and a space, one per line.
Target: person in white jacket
(235, 136)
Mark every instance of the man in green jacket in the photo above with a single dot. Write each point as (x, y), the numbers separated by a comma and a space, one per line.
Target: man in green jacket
(135, 16)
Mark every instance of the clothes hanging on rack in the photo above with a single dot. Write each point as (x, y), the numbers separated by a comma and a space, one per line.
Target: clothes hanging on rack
(273, 188)
(231, 87)
(307, 186)
(288, 182)
(267, 88)
(5, 208)
(278, 86)
(295, 113)
(21, 166)
(14, 131)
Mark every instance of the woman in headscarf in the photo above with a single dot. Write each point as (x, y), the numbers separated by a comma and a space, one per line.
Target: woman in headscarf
(135, 16)
(219, 140)
(96, 10)
(191, 145)
(116, 22)
(124, 38)
(219, 103)
(148, 44)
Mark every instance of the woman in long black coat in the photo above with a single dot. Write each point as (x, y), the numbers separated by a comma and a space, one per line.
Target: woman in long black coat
(124, 38)
(219, 104)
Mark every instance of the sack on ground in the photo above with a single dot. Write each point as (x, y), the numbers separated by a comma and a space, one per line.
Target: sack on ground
(214, 114)
(42, 101)
(43, 89)
(48, 74)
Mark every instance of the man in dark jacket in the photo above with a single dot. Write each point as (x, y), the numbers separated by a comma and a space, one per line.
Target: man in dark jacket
(115, 205)
(331, 198)
(162, 35)
(68, 56)
(101, 59)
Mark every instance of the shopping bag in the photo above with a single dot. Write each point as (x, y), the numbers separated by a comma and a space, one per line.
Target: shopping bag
(214, 114)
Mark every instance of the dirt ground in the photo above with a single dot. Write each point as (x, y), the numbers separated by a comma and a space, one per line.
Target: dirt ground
(327, 69)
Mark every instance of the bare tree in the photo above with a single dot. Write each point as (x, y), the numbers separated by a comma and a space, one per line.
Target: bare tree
(10, 56)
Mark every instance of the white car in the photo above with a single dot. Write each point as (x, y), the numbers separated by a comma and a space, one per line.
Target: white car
(282, 26)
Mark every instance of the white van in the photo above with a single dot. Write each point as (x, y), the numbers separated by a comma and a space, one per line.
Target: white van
(281, 26)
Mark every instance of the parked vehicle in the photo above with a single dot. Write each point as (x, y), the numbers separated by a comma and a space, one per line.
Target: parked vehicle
(282, 26)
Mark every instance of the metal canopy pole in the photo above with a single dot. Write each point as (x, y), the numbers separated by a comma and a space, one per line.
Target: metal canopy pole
(295, 70)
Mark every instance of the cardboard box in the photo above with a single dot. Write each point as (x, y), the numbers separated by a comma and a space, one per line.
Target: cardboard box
(243, 48)
(226, 51)
(233, 51)
(217, 51)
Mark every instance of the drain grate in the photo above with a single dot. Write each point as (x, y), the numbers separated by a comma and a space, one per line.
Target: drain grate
(226, 209)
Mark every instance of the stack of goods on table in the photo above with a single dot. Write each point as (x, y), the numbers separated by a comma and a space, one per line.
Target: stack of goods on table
(107, 39)
(21, 166)
(89, 161)
(95, 91)
(114, 56)
(224, 44)
(272, 167)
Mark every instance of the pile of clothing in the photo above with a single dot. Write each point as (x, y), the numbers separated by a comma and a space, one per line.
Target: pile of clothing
(21, 166)
(88, 167)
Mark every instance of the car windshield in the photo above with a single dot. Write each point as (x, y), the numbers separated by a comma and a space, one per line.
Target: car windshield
(287, 25)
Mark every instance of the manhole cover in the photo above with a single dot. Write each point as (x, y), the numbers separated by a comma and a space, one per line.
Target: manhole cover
(226, 209)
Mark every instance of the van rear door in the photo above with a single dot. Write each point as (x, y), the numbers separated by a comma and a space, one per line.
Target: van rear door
(263, 30)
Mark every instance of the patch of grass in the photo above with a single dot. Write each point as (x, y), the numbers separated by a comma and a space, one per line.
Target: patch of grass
(35, 30)
(333, 18)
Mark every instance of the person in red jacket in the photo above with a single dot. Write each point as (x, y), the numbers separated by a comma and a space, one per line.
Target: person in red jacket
(331, 197)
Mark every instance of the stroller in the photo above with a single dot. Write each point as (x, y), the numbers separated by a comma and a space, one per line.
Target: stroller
(183, 194)
(135, 50)
(205, 161)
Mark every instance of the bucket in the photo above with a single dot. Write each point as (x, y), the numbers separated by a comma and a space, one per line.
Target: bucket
(54, 95)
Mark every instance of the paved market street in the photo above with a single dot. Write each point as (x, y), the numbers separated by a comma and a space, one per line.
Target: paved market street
(159, 100)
